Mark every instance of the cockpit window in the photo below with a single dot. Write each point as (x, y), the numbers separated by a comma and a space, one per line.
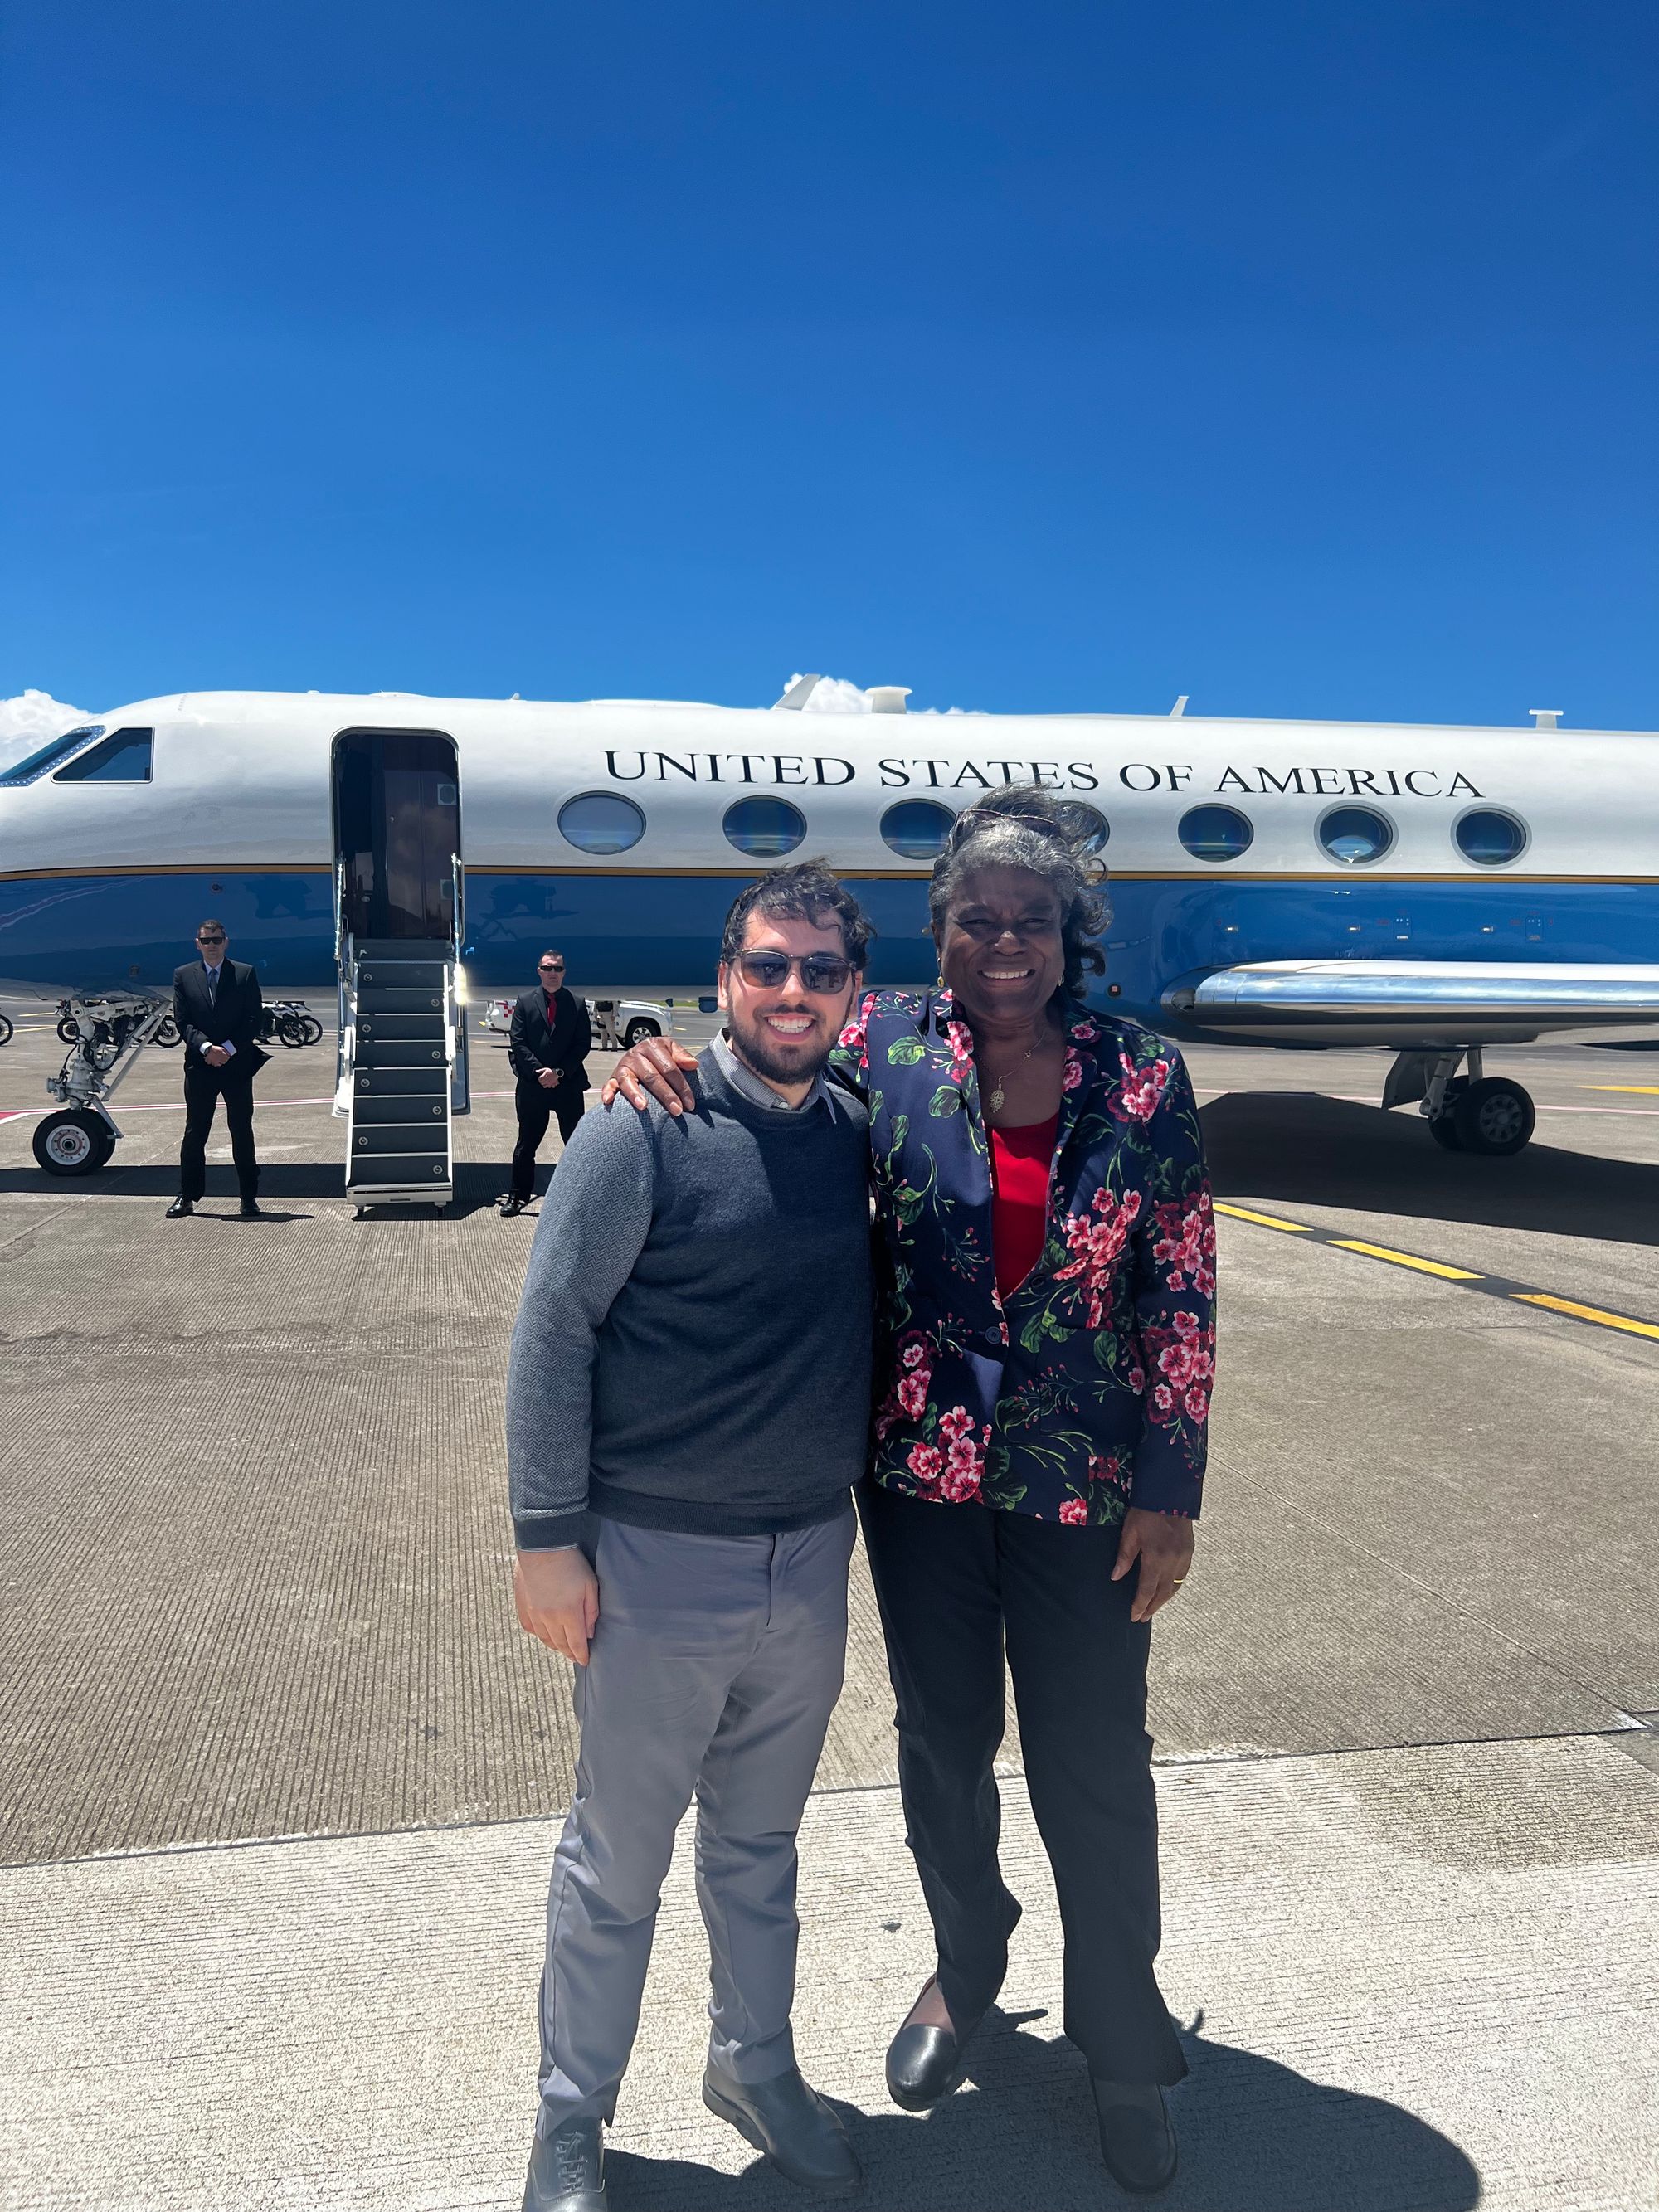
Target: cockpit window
(41, 762)
(128, 756)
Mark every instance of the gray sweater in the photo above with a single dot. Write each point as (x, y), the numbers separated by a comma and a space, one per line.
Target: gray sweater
(692, 1349)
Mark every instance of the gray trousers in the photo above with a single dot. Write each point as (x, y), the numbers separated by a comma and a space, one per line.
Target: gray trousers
(713, 1672)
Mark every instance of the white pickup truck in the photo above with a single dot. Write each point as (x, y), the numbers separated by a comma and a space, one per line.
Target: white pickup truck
(617, 1022)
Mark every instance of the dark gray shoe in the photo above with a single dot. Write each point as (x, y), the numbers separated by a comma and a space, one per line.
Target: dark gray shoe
(567, 2170)
(792, 2125)
(1136, 2140)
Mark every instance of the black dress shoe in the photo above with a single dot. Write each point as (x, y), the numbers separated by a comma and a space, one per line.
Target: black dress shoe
(922, 2062)
(567, 2170)
(252, 1211)
(180, 1208)
(801, 2135)
(1136, 2140)
(510, 1205)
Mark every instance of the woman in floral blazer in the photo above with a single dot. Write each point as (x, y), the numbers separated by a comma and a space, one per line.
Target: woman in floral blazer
(1045, 1357)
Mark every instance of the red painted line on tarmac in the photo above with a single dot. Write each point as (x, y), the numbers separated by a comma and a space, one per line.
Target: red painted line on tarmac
(177, 1106)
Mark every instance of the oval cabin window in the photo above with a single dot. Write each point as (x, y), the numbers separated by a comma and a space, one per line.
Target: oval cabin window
(601, 821)
(916, 828)
(1215, 833)
(1354, 834)
(1092, 823)
(764, 828)
(1490, 837)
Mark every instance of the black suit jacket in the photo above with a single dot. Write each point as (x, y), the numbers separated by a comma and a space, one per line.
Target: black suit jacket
(232, 1016)
(533, 1042)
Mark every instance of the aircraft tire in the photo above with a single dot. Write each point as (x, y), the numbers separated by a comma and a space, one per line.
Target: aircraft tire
(1443, 1127)
(67, 1031)
(73, 1143)
(5, 1029)
(1495, 1117)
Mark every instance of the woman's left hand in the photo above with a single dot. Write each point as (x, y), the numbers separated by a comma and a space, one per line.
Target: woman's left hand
(1162, 1542)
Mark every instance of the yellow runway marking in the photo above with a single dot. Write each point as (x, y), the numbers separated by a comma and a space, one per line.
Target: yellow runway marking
(1587, 1313)
(1492, 1286)
(1641, 1089)
(1268, 1220)
(1406, 1259)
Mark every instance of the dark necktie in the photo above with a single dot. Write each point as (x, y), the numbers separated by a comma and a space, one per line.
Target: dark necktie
(213, 975)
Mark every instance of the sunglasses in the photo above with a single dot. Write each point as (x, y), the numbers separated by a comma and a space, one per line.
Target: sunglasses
(821, 973)
(211, 938)
(551, 967)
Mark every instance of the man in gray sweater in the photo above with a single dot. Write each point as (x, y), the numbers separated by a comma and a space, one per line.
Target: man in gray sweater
(687, 1410)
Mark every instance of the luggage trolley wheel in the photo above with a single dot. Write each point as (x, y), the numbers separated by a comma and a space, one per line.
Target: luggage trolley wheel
(73, 1143)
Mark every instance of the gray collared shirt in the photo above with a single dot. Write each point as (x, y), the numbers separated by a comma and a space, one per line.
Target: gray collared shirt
(748, 1085)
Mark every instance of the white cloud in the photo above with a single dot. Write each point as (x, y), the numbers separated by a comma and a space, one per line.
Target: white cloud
(31, 717)
(835, 694)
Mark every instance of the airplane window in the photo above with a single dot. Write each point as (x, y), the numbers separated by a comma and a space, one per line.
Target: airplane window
(764, 827)
(127, 757)
(601, 821)
(1490, 838)
(1091, 820)
(1215, 833)
(46, 758)
(916, 828)
(1355, 834)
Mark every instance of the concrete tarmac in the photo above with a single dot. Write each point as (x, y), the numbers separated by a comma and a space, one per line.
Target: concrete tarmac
(254, 1565)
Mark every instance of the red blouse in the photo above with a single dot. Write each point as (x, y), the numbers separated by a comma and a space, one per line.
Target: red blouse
(1020, 1160)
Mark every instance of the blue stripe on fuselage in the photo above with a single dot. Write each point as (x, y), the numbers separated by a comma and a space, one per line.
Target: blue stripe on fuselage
(663, 932)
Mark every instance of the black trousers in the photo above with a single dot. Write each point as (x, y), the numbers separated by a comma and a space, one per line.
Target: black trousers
(204, 1088)
(536, 1106)
(952, 1582)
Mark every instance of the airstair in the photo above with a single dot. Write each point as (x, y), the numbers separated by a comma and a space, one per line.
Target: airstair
(402, 1070)
(399, 933)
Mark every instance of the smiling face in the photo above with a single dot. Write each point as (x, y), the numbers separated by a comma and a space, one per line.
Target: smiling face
(1002, 950)
(785, 1032)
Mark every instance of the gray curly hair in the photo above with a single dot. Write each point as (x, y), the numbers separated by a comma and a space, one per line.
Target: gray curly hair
(1025, 825)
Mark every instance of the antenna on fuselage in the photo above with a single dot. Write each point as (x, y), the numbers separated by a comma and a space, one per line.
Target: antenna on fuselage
(1180, 705)
(1546, 718)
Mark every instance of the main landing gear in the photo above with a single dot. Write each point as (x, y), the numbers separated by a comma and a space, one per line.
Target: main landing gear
(1465, 1113)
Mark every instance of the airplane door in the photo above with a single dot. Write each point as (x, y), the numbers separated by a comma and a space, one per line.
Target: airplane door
(397, 833)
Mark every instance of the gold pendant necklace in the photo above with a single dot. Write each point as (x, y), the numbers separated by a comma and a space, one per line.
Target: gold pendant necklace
(994, 1102)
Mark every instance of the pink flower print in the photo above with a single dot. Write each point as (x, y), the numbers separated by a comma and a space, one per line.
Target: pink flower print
(1084, 1032)
(925, 1462)
(914, 1352)
(1074, 1075)
(956, 1424)
(1197, 1402)
(1107, 1468)
(1075, 1513)
(1185, 1244)
(961, 1040)
(912, 1394)
(1096, 1242)
(1140, 1090)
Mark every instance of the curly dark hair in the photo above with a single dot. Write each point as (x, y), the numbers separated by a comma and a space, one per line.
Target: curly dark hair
(1025, 825)
(806, 890)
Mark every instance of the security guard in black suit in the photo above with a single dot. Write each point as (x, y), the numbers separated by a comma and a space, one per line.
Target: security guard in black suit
(550, 1037)
(218, 1006)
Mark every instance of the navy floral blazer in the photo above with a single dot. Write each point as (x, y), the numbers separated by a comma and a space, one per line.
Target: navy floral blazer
(1089, 1389)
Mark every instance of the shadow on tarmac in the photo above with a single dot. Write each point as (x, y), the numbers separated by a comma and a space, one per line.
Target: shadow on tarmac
(1254, 2136)
(1297, 1148)
(478, 1184)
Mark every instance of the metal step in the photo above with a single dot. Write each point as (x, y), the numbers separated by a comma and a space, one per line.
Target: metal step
(378, 998)
(399, 1112)
(401, 974)
(401, 1137)
(428, 1175)
(401, 1083)
(375, 1054)
(399, 1028)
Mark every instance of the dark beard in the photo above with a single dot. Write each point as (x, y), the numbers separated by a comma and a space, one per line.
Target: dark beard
(755, 1050)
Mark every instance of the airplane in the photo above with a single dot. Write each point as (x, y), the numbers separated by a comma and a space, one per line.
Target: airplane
(1439, 891)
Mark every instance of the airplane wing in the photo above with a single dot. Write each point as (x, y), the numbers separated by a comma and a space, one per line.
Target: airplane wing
(1411, 1003)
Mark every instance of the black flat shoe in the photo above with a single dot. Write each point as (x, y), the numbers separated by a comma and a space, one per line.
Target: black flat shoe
(512, 1206)
(923, 2062)
(180, 1208)
(253, 1211)
(1136, 2139)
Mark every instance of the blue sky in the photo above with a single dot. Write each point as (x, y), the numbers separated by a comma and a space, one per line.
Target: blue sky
(1298, 357)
